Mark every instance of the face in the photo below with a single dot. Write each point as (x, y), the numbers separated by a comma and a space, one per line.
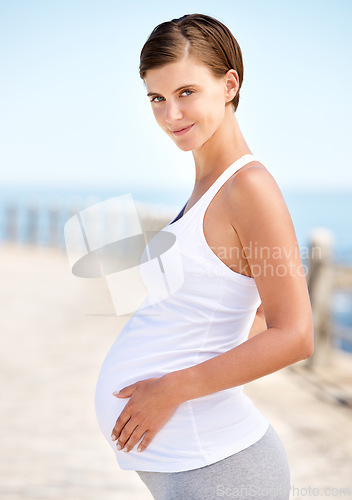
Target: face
(188, 101)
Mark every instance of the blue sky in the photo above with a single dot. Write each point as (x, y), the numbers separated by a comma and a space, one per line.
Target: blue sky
(74, 111)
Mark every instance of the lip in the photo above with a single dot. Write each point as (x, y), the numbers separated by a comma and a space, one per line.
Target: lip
(182, 131)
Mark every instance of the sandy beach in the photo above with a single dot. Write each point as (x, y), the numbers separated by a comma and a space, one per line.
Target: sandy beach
(56, 330)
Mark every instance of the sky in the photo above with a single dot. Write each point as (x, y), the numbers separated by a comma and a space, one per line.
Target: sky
(74, 112)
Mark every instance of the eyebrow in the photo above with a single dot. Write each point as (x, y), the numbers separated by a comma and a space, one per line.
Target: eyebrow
(177, 90)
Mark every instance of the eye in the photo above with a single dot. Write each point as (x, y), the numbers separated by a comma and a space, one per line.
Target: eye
(157, 98)
(187, 92)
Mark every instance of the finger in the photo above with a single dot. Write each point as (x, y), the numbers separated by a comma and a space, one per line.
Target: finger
(126, 433)
(134, 438)
(148, 437)
(120, 423)
(126, 392)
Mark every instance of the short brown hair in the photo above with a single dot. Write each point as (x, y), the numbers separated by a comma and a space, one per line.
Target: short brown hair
(201, 36)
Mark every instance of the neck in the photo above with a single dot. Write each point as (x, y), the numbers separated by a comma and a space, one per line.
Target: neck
(225, 146)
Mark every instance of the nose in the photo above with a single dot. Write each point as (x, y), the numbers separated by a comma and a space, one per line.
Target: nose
(172, 112)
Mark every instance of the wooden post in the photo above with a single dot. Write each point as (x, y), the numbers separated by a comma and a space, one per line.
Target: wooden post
(320, 281)
(32, 224)
(11, 222)
(54, 226)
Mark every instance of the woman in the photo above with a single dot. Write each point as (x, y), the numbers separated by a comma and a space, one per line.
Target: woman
(169, 396)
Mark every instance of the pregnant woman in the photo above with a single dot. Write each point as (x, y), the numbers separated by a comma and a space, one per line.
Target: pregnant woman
(169, 396)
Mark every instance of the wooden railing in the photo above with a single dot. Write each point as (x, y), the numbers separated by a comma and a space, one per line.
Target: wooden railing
(35, 225)
(324, 278)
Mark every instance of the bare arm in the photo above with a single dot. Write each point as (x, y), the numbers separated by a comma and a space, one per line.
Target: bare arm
(262, 222)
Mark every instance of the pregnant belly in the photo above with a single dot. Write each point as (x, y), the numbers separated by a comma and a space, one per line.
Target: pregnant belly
(209, 426)
(179, 429)
(114, 377)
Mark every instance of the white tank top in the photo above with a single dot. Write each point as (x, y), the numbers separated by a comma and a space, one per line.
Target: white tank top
(211, 312)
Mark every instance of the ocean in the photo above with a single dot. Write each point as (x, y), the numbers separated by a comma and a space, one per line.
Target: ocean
(309, 209)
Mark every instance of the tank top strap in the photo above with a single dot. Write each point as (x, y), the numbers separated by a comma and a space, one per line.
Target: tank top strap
(226, 174)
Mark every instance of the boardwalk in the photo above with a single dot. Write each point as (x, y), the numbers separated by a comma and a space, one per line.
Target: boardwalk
(56, 330)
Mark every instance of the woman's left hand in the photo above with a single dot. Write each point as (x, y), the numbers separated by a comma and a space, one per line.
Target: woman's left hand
(151, 405)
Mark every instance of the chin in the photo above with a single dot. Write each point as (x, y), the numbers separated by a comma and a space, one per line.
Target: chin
(189, 145)
(185, 147)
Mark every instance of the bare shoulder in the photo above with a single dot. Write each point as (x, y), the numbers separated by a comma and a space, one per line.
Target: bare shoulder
(253, 192)
(252, 177)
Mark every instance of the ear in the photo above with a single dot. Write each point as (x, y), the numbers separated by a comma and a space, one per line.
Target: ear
(231, 81)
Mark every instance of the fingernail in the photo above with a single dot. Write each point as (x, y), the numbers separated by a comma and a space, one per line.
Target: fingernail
(125, 449)
(139, 450)
(113, 437)
(115, 393)
(119, 447)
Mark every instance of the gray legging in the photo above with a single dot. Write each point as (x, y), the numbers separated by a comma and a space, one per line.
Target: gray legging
(259, 471)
